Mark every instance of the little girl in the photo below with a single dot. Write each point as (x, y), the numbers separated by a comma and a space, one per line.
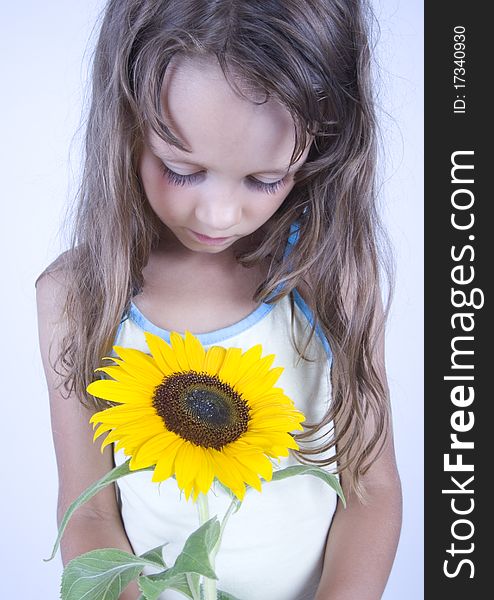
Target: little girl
(228, 190)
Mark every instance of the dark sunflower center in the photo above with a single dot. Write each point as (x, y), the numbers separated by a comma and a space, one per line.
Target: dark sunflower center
(208, 407)
(201, 409)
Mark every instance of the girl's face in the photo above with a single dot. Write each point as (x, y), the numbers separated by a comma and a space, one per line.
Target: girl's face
(236, 174)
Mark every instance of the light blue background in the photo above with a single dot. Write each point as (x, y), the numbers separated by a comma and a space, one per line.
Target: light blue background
(42, 45)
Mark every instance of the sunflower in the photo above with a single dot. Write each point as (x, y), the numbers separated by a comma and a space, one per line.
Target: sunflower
(196, 414)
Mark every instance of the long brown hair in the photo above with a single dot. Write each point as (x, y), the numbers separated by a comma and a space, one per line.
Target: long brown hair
(313, 57)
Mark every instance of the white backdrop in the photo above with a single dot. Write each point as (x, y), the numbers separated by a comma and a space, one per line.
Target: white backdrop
(44, 63)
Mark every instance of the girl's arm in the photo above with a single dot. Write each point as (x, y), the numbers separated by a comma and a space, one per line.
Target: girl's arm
(363, 537)
(96, 524)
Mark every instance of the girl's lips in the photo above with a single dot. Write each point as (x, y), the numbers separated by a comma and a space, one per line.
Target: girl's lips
(210, 241)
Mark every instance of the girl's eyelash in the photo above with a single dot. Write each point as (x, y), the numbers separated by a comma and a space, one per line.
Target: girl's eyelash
(177, 179)
(268, 188)
(181, 180)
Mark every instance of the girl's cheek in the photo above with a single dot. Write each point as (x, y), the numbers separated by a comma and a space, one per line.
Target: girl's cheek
(175, 201)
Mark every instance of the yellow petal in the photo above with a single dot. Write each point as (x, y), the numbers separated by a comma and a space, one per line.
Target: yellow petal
(138, 373)
(166, 462)
(187, 490)
(241, 445)
(273, 396)
(214, 360)
(141, 361)
(251, 356)
(277, 451)
(257, 370)
(205, 472)
(142, 429)
(178, 347)
(269, 439)
(123, 414)
(195, 352)
(279, 424)
(109, 439)
(247, 362)
(230, 364)
(147, 453)
(185, 466)
(108, 389)
(130, 379)
(250, 477)
(224, 472)
(162, 353)
(100, 430)
(132, 435)
(258, 463)
(272, 410)
(255, 387)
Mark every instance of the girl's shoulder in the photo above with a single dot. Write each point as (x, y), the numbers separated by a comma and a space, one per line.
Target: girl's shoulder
(51, 294)
(51, 290)
(56, 273)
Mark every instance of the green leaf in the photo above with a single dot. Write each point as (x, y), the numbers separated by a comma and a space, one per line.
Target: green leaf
(116, 473)
(225, 596)
(185, 583)
(329, 478)
(194, 558)
(155, 555)
(101, 574)
(192, 561)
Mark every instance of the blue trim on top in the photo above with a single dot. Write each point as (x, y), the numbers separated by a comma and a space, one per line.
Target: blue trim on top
(120, 325)
(300, 302)
(294, 233)
(206, 339)
(292, 238)
(223, 334)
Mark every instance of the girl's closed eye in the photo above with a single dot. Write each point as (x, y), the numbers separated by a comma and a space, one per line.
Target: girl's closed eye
(262, 186)
(179, 179)
(193, 178)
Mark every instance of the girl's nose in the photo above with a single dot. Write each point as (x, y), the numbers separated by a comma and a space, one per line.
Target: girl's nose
(218, 211)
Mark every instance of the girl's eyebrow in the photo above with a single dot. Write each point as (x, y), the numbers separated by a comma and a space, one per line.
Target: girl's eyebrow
(275, 171)
(159, 153)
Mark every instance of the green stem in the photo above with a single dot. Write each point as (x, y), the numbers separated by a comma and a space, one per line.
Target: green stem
(209, 585)
(233, 504)
(193, 587)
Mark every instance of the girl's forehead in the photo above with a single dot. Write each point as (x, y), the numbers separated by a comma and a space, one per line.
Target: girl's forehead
(217, 124)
